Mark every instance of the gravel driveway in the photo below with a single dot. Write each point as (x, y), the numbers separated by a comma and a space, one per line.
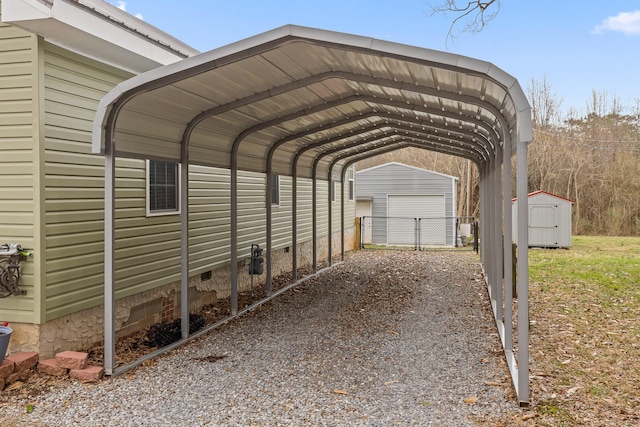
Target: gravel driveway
(383, 339)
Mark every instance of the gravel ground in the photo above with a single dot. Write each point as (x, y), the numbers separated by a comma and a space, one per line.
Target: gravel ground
(383, 339)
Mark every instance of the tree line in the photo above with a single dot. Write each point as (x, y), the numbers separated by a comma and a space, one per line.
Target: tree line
(590, 157)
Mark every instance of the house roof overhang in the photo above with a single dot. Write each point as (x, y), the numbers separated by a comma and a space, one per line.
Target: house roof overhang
(314, 96)
(97, 30)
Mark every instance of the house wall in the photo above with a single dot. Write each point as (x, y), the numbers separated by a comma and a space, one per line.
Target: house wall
(20, 157)
(74, 183)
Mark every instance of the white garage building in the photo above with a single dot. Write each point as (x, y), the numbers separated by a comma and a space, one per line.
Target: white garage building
(406, 205)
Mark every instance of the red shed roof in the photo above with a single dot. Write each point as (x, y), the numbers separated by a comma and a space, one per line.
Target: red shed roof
(535, 193)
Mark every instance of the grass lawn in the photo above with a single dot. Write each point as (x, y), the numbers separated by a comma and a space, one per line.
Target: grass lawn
(585, 333)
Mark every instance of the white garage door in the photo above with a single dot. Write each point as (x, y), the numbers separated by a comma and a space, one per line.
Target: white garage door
(402, 227)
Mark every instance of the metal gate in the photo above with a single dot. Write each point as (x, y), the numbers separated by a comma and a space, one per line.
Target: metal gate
(426, 233)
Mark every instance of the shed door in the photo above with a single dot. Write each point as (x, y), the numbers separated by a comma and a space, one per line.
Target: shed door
(403, 212)
(543, 225)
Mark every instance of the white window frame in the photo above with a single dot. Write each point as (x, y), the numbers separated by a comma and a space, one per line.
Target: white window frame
(164, 212)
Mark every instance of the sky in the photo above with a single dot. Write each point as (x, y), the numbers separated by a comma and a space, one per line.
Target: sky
(578, 47)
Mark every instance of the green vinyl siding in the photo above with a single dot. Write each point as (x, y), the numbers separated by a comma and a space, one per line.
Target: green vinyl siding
(349, 208)
(322, 200)
(74, 180)
(335, 207)
(281, 216)
(19, 157)
(209, 215)
(252, 211)
(209, 218)
(304, 211)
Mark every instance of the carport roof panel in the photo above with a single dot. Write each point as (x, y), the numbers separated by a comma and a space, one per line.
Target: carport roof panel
(293, 79)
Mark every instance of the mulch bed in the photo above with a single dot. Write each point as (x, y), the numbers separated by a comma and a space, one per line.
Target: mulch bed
(133, 347)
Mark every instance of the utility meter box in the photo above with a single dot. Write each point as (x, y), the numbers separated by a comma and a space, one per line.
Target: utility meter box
(256, 265)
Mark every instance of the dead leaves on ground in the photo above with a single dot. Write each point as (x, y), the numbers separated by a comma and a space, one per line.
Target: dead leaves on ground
(471, 400)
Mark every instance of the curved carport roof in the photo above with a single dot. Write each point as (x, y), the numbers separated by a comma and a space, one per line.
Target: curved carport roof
(307, 103)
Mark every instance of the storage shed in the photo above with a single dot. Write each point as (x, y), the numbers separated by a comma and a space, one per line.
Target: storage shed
(406, 205)
(549, 220)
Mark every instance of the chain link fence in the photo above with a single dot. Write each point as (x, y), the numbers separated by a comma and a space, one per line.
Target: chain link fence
(418, 233)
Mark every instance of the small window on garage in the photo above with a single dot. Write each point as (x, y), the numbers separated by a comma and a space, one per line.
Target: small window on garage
(163, 188)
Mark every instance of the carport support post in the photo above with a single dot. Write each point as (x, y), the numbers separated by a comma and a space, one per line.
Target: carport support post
(294, 229)
(234, 234)
(314, 223)
(498, 233)
(269, 227)
(294, 217)
(184, 241)
(489, 225)
(330, 217)
(482, 200)
(484, 215)
(496, 253)
(342, 216)
(109, 250)
(523, 274)
(508, 237)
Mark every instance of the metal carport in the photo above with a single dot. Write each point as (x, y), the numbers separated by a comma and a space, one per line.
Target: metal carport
(308, 103)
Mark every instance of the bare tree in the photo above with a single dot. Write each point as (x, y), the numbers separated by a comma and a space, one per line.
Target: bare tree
(472, 16)
(545, 105)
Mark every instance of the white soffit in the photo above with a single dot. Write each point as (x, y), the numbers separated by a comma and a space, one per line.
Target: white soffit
(319, 97)
(98, 30)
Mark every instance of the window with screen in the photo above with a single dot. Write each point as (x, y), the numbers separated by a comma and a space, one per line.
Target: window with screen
(163, 188)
